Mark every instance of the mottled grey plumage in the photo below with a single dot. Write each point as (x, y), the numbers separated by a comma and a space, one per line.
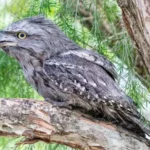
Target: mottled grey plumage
(63, 72)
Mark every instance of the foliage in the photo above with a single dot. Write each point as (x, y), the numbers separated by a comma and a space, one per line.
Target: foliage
(115, 45)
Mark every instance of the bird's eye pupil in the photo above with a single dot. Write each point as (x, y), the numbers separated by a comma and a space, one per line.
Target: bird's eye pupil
(22, 35)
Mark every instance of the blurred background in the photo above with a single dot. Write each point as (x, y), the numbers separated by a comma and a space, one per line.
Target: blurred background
(93, 24)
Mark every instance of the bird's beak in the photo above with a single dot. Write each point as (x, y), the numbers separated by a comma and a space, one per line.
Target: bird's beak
(6, 41)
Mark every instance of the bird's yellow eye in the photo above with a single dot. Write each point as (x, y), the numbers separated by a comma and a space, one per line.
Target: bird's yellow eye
(22, 35)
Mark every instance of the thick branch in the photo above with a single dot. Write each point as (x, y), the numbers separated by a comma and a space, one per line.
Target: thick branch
(38, 120)
(136, 16)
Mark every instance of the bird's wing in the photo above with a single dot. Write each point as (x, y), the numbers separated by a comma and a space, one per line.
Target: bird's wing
(87, 75)
(95, 58)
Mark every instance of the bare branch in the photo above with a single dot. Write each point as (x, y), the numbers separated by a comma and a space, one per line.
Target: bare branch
(39, 120)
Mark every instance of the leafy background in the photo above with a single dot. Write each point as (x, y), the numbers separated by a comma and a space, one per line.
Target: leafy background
(93, 24)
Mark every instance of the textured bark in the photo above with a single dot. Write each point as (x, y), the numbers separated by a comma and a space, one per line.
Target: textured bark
(38, 120)
(136, 16)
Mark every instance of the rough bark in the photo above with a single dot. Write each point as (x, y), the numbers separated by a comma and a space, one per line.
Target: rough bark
(136, 16)
(38, 120)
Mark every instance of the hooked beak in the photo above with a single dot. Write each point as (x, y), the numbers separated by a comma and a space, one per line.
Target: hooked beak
(5, 41)
(6, 44)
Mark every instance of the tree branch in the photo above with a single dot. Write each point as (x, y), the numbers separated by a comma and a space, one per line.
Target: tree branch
(39, 120)
(136, 16)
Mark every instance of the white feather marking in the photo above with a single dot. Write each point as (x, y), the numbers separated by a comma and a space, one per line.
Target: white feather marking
(101, 82)
(86, 55)
(92, 83)
(81, 93)
(56, 83)
(75, 82)
(78, 85)
(88, 97)
(147, 136)
(82, 88)
(65, 89)
(61, 86)
(81, 54)
(129, 109)
(96, 96)
(112, 101)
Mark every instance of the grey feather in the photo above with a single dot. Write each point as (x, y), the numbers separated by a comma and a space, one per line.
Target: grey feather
(63, 72)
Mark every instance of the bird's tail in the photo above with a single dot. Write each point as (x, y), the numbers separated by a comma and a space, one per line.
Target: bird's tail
(136, 123)
(131, 120)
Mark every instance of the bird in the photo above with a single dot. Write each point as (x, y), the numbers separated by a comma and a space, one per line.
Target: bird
(67, 75)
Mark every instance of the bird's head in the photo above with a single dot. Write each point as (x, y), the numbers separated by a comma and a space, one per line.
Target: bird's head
(36, 36)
